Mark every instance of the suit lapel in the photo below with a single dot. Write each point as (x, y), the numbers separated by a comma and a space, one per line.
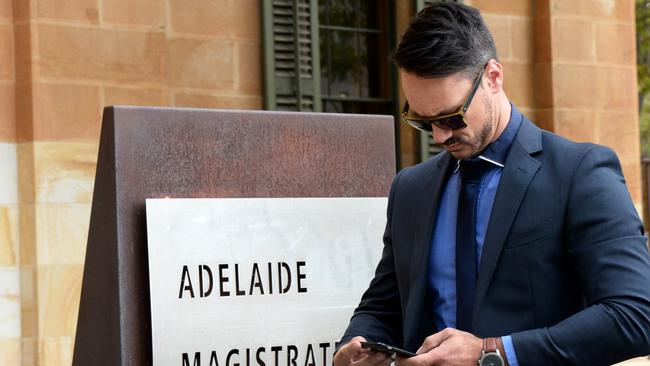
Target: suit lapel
(519, 170)
(418, 318)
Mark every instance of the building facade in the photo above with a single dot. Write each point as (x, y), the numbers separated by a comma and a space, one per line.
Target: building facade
(570, 66)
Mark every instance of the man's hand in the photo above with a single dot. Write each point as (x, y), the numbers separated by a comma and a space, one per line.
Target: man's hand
(351, 354)
(446, 348)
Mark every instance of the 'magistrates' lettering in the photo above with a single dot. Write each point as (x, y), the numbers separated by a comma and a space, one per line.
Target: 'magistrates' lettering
(316, 354)
(242, 280)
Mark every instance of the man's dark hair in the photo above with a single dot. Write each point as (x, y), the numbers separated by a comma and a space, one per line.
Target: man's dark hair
(445, 38)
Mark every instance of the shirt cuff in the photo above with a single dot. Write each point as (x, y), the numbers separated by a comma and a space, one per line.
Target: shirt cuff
(511, 355)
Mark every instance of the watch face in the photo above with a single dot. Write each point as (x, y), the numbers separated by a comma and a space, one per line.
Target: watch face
(491, 359)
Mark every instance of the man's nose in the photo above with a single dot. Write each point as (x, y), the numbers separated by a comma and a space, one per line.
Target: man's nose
(440, 135)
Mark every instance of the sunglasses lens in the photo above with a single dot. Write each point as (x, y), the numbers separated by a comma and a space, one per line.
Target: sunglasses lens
(422, 125)
(454, 122)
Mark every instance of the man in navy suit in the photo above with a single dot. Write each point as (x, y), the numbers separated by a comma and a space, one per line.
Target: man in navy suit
(514, 246)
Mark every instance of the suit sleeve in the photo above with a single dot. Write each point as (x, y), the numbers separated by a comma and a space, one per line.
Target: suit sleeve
(378, 316)
(604, 242)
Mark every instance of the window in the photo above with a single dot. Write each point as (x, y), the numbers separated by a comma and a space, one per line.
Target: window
(355, 38)
(329, 55)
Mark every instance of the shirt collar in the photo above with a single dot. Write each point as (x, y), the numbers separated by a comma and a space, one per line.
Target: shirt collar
(497, 151)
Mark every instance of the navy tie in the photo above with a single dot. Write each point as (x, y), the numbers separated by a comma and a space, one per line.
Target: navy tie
(466, 264)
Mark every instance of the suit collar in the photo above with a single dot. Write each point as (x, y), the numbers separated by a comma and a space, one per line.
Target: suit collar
(417, 315)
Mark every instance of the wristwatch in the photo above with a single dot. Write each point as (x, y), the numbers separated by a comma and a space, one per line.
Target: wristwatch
(490, 355)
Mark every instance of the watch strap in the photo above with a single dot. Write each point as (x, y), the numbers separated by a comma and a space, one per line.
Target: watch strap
(489, 345)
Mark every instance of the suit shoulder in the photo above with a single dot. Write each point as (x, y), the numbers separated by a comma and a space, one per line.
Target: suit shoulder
(572, 151)
(418, 172)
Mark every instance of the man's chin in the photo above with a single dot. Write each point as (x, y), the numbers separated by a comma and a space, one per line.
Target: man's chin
(461, 154)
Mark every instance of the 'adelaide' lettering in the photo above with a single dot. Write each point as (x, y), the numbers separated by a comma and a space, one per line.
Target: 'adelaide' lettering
(187, 287)
(206, 269)
(256, 280)
(284, 277)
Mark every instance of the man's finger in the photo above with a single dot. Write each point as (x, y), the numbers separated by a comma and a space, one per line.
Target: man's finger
(374, 359)
(418, 360)
(350, 352)
(435, 340)
(353, 347)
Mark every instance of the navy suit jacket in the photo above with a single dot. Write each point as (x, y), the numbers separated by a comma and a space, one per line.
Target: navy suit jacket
(565, 267)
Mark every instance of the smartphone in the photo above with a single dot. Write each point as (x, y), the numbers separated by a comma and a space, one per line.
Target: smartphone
(386, 349)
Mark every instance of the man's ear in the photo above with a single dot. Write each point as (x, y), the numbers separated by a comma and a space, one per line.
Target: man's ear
(494, 76)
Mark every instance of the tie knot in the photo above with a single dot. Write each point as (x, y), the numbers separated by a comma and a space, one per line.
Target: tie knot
(471, 171)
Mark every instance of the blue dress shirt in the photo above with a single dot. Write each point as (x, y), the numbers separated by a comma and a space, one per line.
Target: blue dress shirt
(442, 257)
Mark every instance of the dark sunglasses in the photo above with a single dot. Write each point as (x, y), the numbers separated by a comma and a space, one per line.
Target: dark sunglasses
(452, 121)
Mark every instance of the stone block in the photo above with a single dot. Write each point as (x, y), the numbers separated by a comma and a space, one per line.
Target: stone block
(632, 173)
(24, 124)
(29, 351)
(135, 96)
(616, 43)
(28, 303)
(621, 10)
(518, 83)
(22, 10)
(55, 351)
(543, 81)
(511, 7)
(577, 125)
(575, 86)
(9, 302)
(9, 228)
(7, 113)
(56, 172)
(6, 52)
(522, 40)
(82, 11)
(66, 112)
(542, 40)
(141, 12)
(27, 231)
(10, 351)
(500, 28)
(9, 176)
(620, 131)
(246, 19)
(6, 11)
(26, 186)
(101, 54)
(573, 40)
(249, 68)
(544, 119)
(541, 9)
(62, 172)
(221, 18)
(59, 290)
(205, 63)
(194, 100)
(61, 233)
(616, 89)
(23, 52)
